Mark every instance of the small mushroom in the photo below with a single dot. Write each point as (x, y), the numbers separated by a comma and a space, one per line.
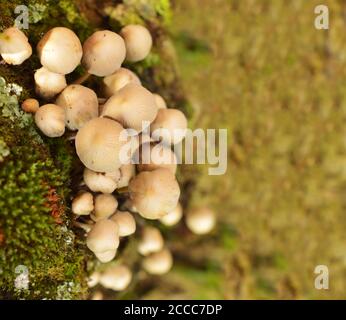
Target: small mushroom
(14, 46)
(103, 238)
(200, 220)
(127, 172)
(98, 145)
(101, 182)
(98, 295)
(83, 204)
(126, 223)
(116, 277)
(94, 279)
(103, 53)
(30, 105)
(151, 241)
(138, 42)
(155, 193)
(48, 84)
(158, 263)
(105, 206)
(80, 104)
(157, 156)
(118, 80)
(50, 119)
(131, 106)
(169, 126)
(105, 256)
(160, 102)
(173, 217)
(60, 50)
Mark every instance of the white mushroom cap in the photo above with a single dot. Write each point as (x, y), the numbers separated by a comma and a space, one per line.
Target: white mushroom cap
(138, 42)
(80, 104)
(103, 237)
(155, 193)
(105, 206)
(83, 204)
(131, 105)
(157, 156)
(118, 80)
(14, 46)
(50, 119)
(173, 217)
(105, 256)
(98, 145)
(94, 279)
(126, 223)
(151, 241)
(48, 84)
(160, 102)
(169, 126)
(200, 220)
(103, 53)
(101, 182)
(127, 172)
(60, 50)
(158, 263)
(116, 277)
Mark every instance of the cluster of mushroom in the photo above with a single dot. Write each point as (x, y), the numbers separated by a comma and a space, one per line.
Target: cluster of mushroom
(125, 106)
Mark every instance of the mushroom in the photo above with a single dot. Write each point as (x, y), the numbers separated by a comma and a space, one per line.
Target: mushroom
(14, 46)
(60, 50)
(157, 156)
(158, 263)
(200, 220)
(155, 193)
(106, 256)
(101, 182)
(160, 102)
(50, 119)
(118, 80)
(105, 206)
(30, 105)
(83, 204)
(98, 295)
(98, 145)
(138, 42)
(127, 171)
(103, 53)
(131, 106)
(94, 279)
(126, 223)
(169, 126)
(80, 104)
(151, 241)
(116, 277)
(103, 238)
(173, 217)
(48, 84)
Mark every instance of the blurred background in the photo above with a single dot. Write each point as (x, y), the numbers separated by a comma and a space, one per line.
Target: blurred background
(263, 71)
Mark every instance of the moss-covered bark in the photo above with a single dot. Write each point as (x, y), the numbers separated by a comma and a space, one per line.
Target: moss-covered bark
(36, 172)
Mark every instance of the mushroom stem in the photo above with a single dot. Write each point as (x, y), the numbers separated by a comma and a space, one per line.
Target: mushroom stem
(84, 226)
(82, 78)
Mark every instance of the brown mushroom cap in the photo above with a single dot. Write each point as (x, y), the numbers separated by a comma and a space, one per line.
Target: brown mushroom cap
(30, 105)
(160, 102)
(157, 156)
(118, 80)
(103, 53)
(126, 223)
(127, 171)
(105, 206)
(151, 241)
(116, 277)
(158, 262)
(50, 119)
(130, 106)
(98, 145)
(200, 220)
(80, 104)
(169, 126)
(155, 193)
(103, 237)
(106, 256)
(173, 217)
(83, 204)
(138, 42)
(60, 50)
(101, 182)
(48, 84)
